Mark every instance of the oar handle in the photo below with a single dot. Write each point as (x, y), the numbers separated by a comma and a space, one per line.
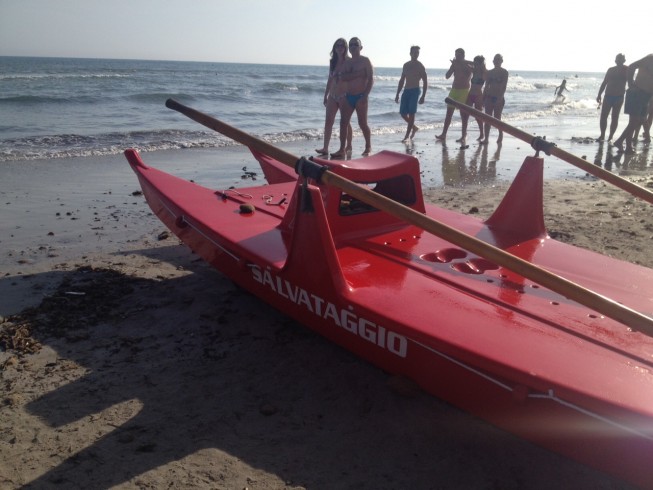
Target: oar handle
(560, 285)
(551, 149)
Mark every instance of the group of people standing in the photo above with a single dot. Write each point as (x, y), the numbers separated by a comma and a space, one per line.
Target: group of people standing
(638, 77)
(475, 85)
(351, 79)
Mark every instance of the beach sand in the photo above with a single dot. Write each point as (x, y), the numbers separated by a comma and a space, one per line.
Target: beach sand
(164, 374)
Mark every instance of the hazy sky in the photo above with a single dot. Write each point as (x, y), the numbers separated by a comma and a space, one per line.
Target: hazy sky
(554, 35)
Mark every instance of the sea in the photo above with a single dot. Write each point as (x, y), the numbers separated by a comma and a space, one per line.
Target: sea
(55, 108)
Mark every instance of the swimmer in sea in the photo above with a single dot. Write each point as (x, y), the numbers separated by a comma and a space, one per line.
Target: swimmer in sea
(559, 89)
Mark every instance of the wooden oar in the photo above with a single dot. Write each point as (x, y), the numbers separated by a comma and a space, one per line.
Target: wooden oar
(550, 149)
(569, 289)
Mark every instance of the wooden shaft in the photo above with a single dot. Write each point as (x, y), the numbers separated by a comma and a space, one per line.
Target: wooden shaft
(588, 167)
(560, 285)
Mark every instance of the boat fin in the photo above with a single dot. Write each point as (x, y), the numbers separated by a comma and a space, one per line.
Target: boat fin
(520, 214)
(312, 243)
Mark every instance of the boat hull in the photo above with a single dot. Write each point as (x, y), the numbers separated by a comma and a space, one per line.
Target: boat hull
(466, 330)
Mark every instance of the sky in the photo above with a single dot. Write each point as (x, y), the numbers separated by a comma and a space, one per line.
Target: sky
(557, 35)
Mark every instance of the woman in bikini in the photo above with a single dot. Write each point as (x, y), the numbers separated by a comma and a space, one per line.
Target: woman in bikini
(334, 94)
(493, 95)
(475, 96)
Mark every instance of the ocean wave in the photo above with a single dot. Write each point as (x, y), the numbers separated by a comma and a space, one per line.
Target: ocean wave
(271, 88)
(75, 145)
(60, 76)
(161, 97)
(387, 78)
(30, 100)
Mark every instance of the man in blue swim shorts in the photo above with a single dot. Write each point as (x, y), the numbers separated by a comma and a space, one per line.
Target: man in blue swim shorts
(462, 71)
(411, 75)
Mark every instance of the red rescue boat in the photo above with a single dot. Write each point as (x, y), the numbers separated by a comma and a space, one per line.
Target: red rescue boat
(465, 328)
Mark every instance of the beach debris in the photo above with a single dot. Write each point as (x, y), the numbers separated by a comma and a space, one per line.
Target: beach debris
(164, 235)
(583, 140)
(248, 174)
(247, 209)
(86, 297)
(17, 337)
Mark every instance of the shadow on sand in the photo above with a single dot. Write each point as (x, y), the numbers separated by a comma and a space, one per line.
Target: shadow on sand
(177, 366)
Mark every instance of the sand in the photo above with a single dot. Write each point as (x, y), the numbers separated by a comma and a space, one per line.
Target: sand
(136, 365)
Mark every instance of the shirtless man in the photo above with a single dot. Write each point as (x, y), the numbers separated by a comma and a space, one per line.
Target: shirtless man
(359, 75)
(614, 85)
(640, 90)
(462, 71)
(412, 73)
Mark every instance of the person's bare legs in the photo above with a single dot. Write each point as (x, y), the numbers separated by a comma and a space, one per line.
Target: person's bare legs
(480, 130)
(349, 138)
(498, 110)
(331, 111)
(415, 129)
(411, 129)
(361, 115)
(648, 122)
(447, 123)
(603, 121)
(465, 120)
(614, 122)
(489, 109)
(627, 136)
(346, 112)
(409, 123)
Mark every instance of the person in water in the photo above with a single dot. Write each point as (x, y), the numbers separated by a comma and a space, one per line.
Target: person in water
(475, 96)
(638, 95)
(411, 75)
(334, 94)
(614, 84)
(559, 89)
(462, 70)
(358, 73)
(494, 94)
